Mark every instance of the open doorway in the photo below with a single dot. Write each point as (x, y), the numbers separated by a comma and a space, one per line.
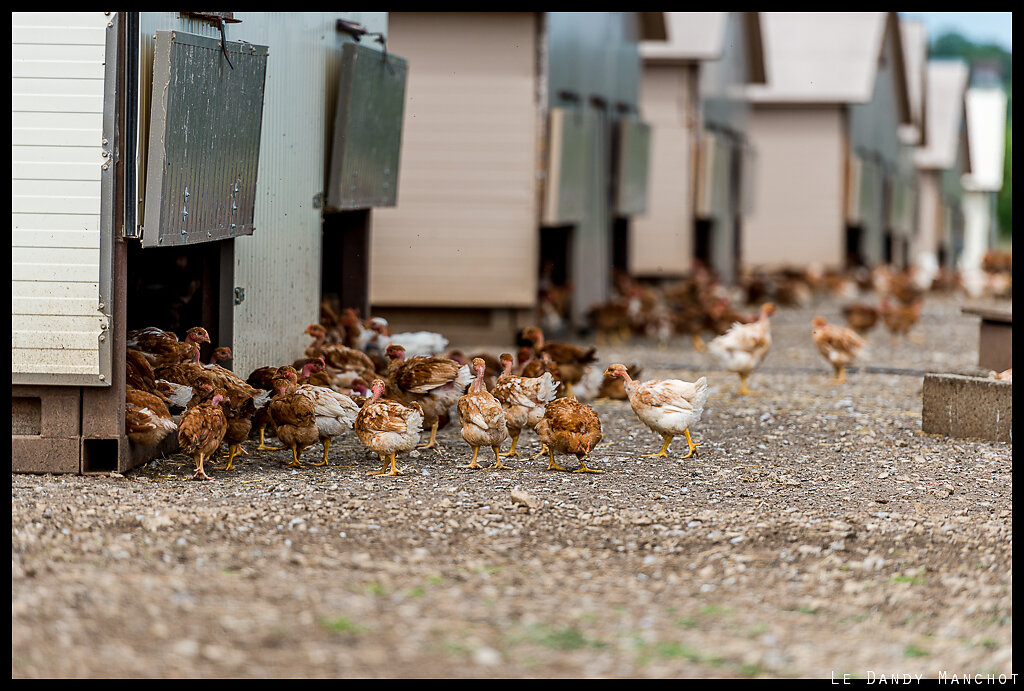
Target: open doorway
(854, 247)
(345, 257)
(176, 288)
(554, 277)
(702, 241)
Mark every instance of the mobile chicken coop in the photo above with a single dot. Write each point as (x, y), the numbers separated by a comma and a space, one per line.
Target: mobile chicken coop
(181, 169)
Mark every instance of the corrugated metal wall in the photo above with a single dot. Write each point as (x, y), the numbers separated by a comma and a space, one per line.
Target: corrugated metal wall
(661, 240)
(57, 90)
(798, 209)
(464, 232)
(279, 265)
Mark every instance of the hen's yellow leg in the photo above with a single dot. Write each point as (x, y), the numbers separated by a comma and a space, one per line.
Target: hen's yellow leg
(690, 442)
(266, 447)
(394, 468)
(233, 449)
(295, 457)
(512, 451)
(568, 390)
(840, 377)
(498, 465)
(743, 385)
(551, 464)
(543, 451)
(200, 474)
(698, 343)
(472, 464)
(432, 442)
(327, 448)
(584, 469)
(664, 449)
(383, 467)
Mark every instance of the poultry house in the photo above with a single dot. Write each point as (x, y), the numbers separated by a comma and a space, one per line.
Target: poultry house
(668, 406)
(568, 358)
(861, 316)
(743, 347)
(201, 430)
(522, 399)
(898, 318)
(334, 412)
(482, 418)
(839, 345)
(435, 383)
(294, 418)
(569, 427)
(162, 348)
(147, 421)
(388, 427)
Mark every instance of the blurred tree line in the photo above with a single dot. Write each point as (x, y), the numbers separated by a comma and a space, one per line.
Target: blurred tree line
(990, 65)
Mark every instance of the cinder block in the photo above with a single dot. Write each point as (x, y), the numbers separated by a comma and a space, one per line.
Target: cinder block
(967, 407)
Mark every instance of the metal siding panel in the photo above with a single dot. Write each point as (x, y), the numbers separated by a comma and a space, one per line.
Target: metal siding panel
(465, 230)
(58, 93)
(204, 139)
(279, 265)
(367, 129)
(566, 167)
(634, 161)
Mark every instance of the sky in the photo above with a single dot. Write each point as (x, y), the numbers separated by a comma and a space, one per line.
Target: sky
(979, 27)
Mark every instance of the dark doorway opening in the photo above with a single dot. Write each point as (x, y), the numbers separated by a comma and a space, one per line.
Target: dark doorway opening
(887, 247)
(854, 242)
(345, 269)
(702, 239)
(176, 288)
(620, 245)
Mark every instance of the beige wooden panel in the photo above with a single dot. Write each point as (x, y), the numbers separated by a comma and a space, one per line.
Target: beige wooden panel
(57, 86)
(661, 240)
(797, 218)
(464, 232)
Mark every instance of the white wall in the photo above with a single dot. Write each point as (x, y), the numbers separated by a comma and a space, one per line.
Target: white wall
(57, 87)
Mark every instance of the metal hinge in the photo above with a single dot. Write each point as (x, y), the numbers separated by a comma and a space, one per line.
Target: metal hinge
(239, 295)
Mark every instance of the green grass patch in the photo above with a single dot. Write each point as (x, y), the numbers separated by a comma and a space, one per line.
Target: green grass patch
(375, 588)
(342, 625)
(564, 638)
(914, 651)
(912, 580)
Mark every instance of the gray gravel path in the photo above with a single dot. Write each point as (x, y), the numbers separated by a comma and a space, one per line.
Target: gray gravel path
(817, 532)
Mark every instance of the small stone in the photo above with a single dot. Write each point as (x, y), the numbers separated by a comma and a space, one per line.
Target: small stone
(521, 497)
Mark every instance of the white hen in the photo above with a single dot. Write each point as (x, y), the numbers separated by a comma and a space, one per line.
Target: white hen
(742, 348)
(668, 406)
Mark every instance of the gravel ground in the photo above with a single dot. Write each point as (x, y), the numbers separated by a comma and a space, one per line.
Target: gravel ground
(817, 532)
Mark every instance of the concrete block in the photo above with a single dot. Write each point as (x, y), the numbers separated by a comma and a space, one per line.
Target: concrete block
(967, 407)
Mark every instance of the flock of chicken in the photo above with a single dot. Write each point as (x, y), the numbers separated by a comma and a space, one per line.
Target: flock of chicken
(390, 388)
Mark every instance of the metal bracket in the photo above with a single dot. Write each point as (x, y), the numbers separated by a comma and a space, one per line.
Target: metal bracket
(239, 295)
(219, 19)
